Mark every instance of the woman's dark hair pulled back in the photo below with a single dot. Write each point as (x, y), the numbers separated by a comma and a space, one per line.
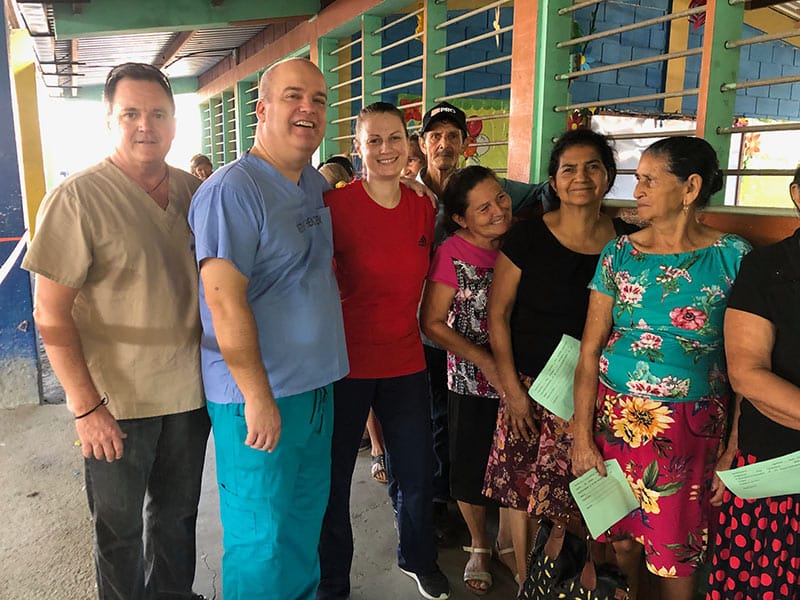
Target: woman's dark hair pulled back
(687, 156)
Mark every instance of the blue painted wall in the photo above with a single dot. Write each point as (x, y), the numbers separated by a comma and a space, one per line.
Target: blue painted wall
(18, 361)
(630, 45)
(489, 76)
(758, 61)
(768, 60)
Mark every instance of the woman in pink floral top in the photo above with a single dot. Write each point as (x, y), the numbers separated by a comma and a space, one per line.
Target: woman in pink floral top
(653, 339)
(453, 314)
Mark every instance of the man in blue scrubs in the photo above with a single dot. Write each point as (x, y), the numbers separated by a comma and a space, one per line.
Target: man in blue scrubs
(273, 340)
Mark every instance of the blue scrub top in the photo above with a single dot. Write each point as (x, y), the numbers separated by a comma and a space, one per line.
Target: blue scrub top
(277, 234)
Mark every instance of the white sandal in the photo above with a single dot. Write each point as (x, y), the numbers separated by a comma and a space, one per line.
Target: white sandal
(481, 576)
(499, 553)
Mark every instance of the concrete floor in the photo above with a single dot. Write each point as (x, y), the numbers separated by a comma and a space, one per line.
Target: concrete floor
(375, 575)
(45, 548)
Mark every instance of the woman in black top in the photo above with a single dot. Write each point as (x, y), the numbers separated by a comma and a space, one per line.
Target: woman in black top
(539, 292)
(757, 553)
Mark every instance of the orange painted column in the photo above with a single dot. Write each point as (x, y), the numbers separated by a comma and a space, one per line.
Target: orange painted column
(523, 63)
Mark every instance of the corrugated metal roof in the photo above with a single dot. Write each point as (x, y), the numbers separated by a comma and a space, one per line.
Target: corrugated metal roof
(206, 47)
(96, 55)
(199, 52)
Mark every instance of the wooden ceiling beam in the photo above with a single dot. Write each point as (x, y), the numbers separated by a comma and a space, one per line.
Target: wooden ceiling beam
(176, 44)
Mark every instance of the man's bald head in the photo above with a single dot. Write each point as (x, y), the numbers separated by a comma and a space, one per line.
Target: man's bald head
(265, 85)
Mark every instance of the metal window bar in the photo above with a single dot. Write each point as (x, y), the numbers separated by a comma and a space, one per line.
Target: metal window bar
(758, 39)
(578, 6)
(339, 138)
(471, 13)
(477, 38)
(477, 65)
(767, 172)
(345, 101)
(495, 88)
(652, 134)
(735, 172)
(631, 63)
(336, 51)
(398, 21)
(627, 100)
(251, 99)
(751, 128)
(499, 58)
(398, 65)
(640, 25)
(205, 115)
(740, 85)
(344, 65)
(399, 86)
(497, 143)
(410, 105)
(218, 133)
(401, 41)
(489, 117)
(343, 120)
(342, 84)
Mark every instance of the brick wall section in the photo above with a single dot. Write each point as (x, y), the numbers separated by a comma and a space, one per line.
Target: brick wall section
(268, 35)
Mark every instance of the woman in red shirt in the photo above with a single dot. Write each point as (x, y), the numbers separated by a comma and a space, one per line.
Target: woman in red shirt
(382, 236)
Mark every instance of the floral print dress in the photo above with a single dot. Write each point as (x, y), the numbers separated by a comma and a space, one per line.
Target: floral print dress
(663, 393)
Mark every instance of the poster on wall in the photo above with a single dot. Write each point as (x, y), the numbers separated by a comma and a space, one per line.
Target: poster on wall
(487, 141)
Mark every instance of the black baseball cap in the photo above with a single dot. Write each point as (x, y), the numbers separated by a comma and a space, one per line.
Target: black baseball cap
(444, 111)
(343, 161)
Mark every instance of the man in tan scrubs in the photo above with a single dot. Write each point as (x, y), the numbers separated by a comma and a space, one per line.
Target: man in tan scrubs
(116, 304)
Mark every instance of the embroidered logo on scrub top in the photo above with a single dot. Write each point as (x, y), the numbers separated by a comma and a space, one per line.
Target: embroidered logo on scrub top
(308, 223)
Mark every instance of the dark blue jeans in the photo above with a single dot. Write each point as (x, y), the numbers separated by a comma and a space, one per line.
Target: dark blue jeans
(149, 557)
(436, 360)
(403, 409)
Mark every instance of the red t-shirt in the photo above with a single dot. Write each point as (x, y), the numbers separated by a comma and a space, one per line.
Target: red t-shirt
(381, 258)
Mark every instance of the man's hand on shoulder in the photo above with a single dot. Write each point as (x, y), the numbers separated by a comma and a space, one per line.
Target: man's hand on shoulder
(263, 420)
(100, 435)
(421, 190)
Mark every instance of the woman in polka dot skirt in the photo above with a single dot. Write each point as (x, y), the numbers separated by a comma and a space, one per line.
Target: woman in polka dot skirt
(757, 553)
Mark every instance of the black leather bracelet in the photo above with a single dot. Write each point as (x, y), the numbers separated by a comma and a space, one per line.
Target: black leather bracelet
(103, 402)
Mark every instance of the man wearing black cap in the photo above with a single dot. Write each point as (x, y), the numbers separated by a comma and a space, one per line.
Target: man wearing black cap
(442, 138)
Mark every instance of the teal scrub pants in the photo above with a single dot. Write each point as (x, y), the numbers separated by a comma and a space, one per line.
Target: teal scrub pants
(272, 504)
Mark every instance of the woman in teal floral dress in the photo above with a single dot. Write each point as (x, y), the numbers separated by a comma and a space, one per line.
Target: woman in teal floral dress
(650, 387)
